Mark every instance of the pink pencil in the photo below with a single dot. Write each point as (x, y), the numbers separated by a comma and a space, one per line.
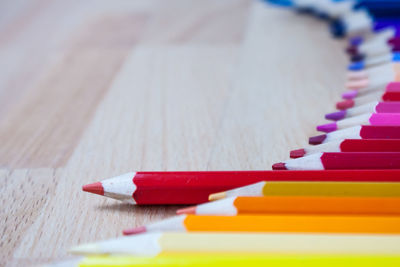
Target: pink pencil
(379, 79)
(372, 107)
(375, 119)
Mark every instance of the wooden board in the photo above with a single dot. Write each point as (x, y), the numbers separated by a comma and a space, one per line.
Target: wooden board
(93, 89)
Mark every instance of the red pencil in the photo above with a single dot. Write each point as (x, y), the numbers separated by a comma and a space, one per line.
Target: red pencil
(342, 161)
(358, 132)
(388, 95)
(350, 145)
(194, 187)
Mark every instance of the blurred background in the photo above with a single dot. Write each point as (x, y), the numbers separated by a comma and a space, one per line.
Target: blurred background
(58, 60)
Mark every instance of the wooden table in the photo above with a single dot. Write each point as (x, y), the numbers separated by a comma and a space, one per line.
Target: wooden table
(92, 89)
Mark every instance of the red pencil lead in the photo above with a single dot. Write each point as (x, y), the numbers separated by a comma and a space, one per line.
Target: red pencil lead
(298, 153)
(345, 104)
(134, 231)
(95, 188)
(279, 166)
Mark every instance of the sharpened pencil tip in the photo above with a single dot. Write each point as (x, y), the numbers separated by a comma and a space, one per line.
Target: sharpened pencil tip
(336, 116)
(327, 128)
(189, 210)
(350, 94)
(316, 140)
(134, 231)
(345, 104)
(95, 188)
(279, 166)
(298, 153)
(217, 196)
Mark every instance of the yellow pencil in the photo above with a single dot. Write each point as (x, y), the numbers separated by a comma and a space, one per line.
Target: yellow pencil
(219, 260)
(349, 189)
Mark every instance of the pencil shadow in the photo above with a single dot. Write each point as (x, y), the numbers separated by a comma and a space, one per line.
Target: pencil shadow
(138, 210)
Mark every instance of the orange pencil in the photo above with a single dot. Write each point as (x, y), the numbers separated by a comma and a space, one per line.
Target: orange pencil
(276, 223)
(298, 205)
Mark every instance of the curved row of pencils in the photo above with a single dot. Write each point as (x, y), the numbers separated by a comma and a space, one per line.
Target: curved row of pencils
(335, 202)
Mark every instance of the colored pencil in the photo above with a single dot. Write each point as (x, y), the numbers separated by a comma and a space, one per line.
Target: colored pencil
(372, 107)
(352, 23)
(380, 82)
(358, 96)
(343, 161)
(365, 85)
(356, 93)
(373, 96)
(350, 145)
(323, 189)
(315, 205)
(194, 187)
(153, 244)
(355, 75)
(375, 119)
(379, 59)
(275, 224)
(376, 45)
(377, 82)
(229, 260)
(358, 132)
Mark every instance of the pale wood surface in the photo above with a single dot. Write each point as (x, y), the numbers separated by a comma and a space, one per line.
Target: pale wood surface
(93, 89)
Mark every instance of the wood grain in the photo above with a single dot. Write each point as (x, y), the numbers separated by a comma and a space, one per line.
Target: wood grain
(93, 89)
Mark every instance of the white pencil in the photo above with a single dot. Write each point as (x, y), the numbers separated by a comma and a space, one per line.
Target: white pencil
(153, 244)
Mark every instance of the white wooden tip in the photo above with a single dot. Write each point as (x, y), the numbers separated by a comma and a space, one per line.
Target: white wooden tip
(84, 249)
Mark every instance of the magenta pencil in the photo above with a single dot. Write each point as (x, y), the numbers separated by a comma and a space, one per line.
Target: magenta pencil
(372, 107)
(358, 132)
(342, 161)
